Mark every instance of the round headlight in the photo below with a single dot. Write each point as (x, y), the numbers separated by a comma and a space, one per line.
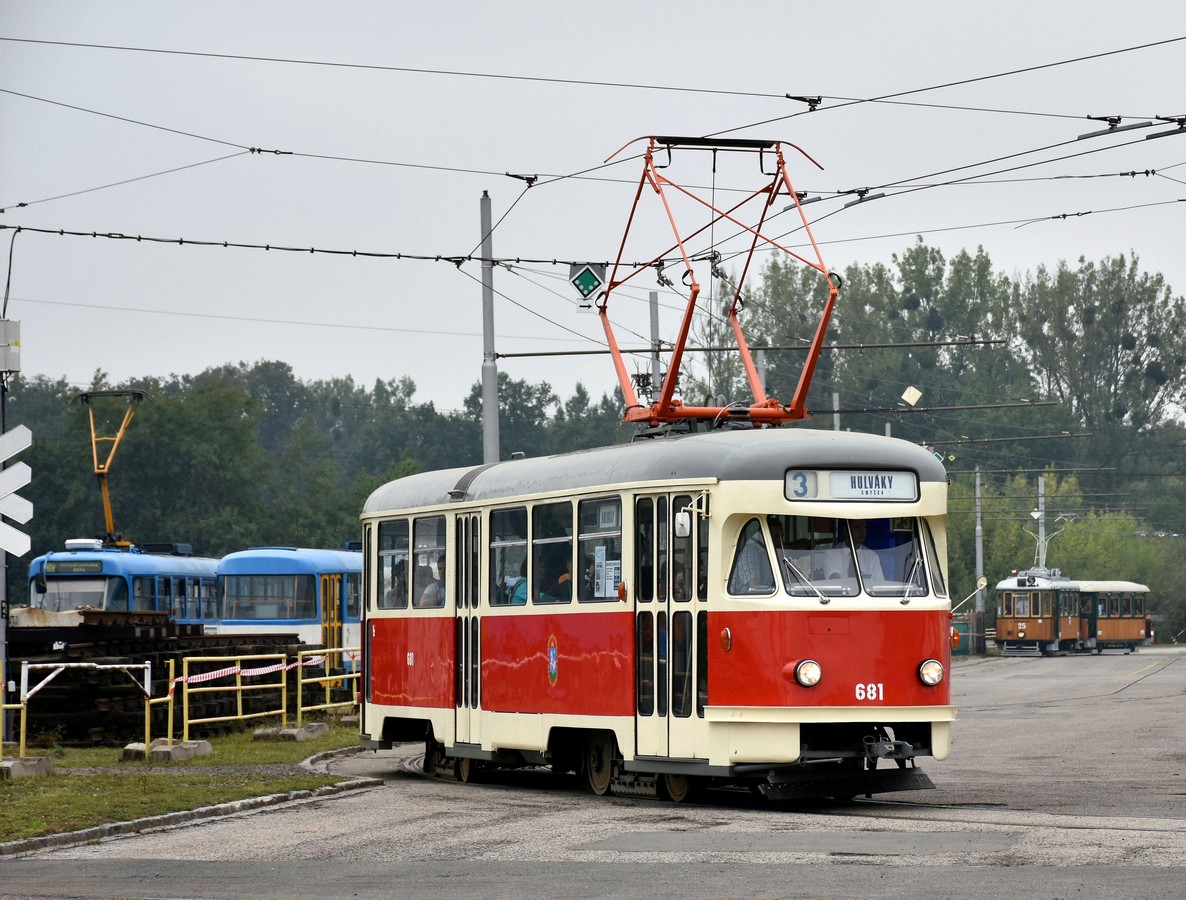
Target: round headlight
(808, 672)
(930, 672)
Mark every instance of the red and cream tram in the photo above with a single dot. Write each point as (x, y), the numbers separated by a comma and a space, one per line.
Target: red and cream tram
(675, 612)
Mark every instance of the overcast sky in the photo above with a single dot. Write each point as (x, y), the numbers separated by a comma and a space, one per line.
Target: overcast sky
(392, 118)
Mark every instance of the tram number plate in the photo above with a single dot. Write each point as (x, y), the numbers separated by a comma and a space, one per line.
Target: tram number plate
(871, 691)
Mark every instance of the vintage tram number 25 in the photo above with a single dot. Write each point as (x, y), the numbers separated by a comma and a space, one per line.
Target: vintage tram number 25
(871, 691)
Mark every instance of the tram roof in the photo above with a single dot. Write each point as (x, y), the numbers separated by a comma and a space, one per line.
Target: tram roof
(727, 455)
(272, 560)
(1043, 580)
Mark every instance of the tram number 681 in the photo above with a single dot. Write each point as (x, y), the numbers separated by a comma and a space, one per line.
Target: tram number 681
(871, 691)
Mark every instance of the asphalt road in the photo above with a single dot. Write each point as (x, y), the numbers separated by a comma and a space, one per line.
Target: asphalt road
(1066, 780)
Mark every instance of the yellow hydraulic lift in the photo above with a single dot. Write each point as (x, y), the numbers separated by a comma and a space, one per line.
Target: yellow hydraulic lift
(110, 443)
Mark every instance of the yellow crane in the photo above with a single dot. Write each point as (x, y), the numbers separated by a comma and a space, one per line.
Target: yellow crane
(109, 443)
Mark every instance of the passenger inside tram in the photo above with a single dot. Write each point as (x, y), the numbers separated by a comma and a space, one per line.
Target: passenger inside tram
(839, 561)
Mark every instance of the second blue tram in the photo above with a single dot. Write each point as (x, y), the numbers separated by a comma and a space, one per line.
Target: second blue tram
(313, 594)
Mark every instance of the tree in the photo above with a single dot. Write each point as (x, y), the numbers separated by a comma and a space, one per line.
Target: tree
(523, 414)
(1107, 341)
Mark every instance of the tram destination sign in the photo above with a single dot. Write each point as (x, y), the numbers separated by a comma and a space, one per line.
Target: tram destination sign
(815, 484)
(73, 566)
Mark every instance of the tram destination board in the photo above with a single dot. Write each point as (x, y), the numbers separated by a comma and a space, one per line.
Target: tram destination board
(73, 567)
(810, 484)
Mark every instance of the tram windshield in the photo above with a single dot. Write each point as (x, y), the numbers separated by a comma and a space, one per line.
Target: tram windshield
(63, 594)
(833, 557)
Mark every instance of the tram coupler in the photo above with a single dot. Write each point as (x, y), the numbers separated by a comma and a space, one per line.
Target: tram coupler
(875, 749)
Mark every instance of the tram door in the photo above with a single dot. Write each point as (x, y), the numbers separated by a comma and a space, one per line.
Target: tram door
(331, 610)
(665, 632)
(466, 628)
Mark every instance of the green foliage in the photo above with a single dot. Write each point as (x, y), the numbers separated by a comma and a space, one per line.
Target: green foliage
(93, 786)
(240, 456)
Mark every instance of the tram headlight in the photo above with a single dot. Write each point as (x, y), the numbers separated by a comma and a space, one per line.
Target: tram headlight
(808, 672)
(931, 672)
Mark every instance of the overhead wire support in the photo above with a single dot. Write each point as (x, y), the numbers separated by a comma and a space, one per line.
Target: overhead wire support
(667, 409)
(1180, 121)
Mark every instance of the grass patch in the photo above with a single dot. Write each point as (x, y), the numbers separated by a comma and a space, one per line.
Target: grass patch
(93, 786)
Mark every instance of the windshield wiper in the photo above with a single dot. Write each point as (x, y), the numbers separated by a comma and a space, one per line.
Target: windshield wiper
(805, 580)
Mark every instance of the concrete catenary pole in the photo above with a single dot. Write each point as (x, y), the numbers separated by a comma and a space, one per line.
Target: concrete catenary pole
(490, 449)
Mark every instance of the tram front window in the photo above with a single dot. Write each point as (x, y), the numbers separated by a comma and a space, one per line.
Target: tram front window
(63, 594)
(836, 557)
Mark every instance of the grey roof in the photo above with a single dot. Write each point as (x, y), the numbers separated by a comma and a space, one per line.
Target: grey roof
(728, 455)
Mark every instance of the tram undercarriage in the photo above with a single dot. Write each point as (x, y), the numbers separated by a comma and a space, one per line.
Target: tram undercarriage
(863, 760)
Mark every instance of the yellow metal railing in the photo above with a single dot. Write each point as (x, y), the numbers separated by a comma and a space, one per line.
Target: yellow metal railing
(323, 659)
(246, 675)
(244, 683)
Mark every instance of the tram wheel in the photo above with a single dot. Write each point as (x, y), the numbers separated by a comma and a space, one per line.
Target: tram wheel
(676, 788)
(599, 762)
(466, 769)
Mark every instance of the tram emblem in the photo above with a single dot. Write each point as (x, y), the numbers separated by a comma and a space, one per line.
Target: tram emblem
(553, 658)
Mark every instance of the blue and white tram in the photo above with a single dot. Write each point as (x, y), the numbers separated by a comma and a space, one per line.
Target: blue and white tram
(88, 577)
(313, 594)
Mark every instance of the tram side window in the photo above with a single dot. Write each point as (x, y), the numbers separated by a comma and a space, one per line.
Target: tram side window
(681, 549)
(143, 589)
(393, 565)
(304, 597)
(551, 552)
(1047, 600)
(428, 585)
(645, 638)
(351, 587)
(681, 663)
(117, 597)
(599, 553)
(751, 573)
(644, 551)
(1138, 605)
(701, 526)
(508, 557)
(367, 558)
(210, 604)
(933, 561)
(1005, 609)
(1114, 605)
(177, 592)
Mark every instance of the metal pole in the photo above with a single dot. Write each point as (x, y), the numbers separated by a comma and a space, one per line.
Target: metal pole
(1042, 521)
(656, 363)
(490, 448)
(835, 410)
(979, 544)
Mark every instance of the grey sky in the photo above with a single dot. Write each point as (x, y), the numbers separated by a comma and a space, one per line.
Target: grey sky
(394, 161)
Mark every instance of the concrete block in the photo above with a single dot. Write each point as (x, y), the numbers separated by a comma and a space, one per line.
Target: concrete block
(162, 751)
(25, 767)
(305, 733)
